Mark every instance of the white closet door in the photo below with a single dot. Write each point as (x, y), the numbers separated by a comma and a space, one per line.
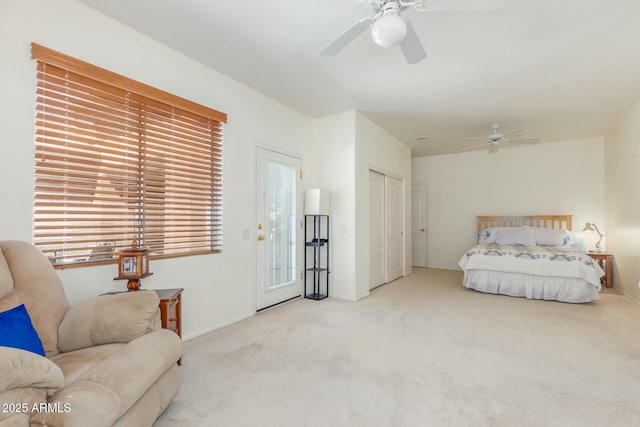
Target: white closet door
(394, 228)
(377, 245)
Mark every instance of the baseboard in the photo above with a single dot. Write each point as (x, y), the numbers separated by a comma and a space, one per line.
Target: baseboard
(214, 328)
(630, 298)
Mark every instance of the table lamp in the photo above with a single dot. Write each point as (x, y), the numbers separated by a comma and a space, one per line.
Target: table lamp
(592, 227)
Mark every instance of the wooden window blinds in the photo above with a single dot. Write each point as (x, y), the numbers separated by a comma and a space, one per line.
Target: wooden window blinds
(117, 161)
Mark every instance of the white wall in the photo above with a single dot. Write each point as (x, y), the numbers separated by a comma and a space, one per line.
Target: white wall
(551, 178)
(622, 185)
(219, 289)
(346, 146)
(334, 138)
(376, 149)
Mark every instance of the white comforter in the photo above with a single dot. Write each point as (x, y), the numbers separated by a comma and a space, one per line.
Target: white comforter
(538, 272)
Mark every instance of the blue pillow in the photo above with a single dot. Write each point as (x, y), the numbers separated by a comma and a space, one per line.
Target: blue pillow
(17, 331)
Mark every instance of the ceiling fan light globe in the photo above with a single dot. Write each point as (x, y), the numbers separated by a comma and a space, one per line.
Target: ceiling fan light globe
(389, 30)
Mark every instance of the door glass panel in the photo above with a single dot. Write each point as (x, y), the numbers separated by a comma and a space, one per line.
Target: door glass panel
(281, 214)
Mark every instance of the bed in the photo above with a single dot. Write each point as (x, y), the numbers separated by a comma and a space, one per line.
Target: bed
(535, 257)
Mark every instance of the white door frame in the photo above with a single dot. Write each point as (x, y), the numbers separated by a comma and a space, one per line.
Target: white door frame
(419, 230)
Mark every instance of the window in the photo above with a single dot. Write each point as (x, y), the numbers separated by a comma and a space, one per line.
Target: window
(118, 161)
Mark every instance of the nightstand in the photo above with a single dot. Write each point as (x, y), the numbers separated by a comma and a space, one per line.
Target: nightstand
(606, 263)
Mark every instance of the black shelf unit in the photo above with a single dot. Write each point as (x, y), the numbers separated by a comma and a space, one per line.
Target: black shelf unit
(316, 257)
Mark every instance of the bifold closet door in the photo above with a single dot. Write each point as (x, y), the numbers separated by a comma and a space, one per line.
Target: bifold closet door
(377, 245)
(394, 233)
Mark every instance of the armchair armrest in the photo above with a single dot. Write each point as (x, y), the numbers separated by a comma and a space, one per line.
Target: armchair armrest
(117, 318)
(24, 369)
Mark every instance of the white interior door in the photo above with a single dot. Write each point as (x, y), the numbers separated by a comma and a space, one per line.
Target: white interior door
(279, 233)
(394, 228)
(419, 225)
(377, 243)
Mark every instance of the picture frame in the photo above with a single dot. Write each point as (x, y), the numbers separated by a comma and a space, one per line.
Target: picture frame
(130, 265)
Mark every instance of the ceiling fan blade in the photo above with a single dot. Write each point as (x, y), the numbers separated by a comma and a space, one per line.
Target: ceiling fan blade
(463, 5)
(411, 46)
(514, 132)
(376, 5)
(347, 37)
(476, 138)
(524, 141)
(473, 147)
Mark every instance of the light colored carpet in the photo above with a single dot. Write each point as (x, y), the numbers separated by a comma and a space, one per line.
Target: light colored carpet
(421, 351)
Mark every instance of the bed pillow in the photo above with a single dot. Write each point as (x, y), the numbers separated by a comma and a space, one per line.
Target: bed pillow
(16, 330)
(488, 235)
(548, 236)
(515, 237)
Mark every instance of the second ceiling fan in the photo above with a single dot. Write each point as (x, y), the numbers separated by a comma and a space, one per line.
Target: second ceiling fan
(496, 139)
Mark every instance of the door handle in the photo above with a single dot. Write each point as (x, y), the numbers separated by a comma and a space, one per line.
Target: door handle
(260, 237)
(422, 229)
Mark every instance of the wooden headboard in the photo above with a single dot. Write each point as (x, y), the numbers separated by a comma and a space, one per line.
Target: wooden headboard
(545, 221)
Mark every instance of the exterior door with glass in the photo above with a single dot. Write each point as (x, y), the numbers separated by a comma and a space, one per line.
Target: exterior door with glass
(279, 233)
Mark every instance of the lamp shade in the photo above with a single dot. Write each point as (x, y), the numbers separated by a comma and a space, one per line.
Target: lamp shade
(389, 30)
(317, 202)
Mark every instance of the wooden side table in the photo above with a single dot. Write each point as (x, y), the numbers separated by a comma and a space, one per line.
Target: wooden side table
(605, 261)
(171, 310)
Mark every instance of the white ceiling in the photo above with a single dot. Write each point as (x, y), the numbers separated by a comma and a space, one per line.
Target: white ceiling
(562, 69)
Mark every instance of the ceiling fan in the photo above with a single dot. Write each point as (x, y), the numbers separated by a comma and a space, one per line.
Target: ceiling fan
(388, 28)
(497, 139)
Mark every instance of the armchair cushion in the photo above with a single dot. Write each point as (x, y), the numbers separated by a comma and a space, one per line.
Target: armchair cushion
(22, 369)
(16, 330)
(36, 285)
(104, 392)
(107, 319)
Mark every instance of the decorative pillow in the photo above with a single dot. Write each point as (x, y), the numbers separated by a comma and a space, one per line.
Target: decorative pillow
(548, 236)
(515, 237)
(16, 330)
(571, 240)
(488, 235)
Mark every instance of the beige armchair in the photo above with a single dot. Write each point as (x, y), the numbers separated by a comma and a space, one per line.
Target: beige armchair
(108, 362)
